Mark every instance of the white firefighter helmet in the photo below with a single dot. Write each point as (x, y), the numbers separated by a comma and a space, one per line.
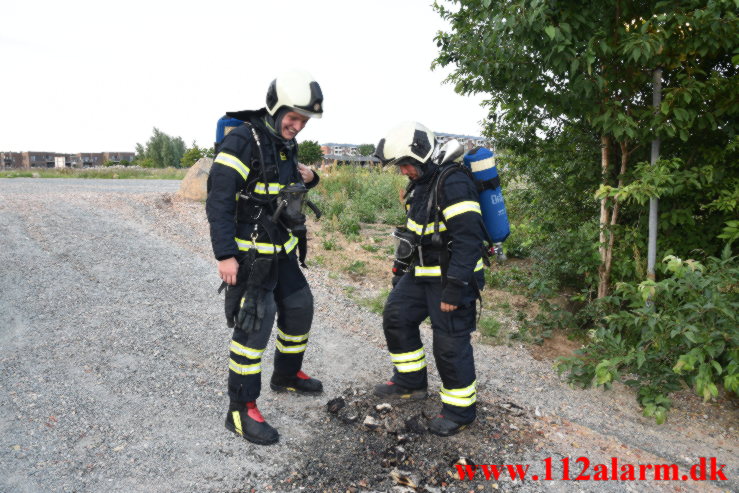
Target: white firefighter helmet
(296, 90)
(408, 140)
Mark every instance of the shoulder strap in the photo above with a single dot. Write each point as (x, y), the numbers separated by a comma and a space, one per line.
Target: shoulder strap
(260, 154)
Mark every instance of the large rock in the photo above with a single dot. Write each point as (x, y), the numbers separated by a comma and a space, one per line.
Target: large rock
(193, 185)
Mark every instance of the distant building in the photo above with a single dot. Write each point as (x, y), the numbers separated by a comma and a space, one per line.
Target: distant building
(349, 153)
(468, 141)
(36, 159)
(340, 149)
(341, 159)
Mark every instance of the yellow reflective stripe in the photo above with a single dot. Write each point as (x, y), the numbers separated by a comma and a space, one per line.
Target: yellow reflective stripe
(268, 189)
(290, 338)
(461, 208)
(243, 350)
(237, 422)
(290, 349)
(434, 270)
(232, 162)
(417, 228)
(290, 244)
(410, 356)
(409, 367)
(245, 245)
(261, 247)
(244, 369)
(458, 401)
(479, 265)
(464, 392)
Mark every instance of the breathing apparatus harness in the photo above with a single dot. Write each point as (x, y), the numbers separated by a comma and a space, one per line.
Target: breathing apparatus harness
(408, 251)
(287, 207)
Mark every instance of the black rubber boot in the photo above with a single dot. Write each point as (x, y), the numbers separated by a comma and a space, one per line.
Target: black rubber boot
(391, 390)
(299, 383)
(445, 427)
(245, 420)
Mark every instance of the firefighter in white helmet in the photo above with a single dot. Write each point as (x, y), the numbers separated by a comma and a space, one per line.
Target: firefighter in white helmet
(438, 274)
(254, 165)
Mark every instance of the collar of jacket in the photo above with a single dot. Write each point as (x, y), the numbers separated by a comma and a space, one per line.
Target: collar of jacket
(264, 122)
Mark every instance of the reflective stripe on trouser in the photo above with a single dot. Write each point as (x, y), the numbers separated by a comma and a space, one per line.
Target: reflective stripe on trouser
(292, 302)
(409, 303)
(410, 361)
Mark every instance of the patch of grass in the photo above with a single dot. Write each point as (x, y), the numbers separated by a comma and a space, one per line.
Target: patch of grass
(376, 304)
(317, 260)
(350, 195)
(105, 173)
(370, 248)
(357, 268)
(329, 244)
(489, 326)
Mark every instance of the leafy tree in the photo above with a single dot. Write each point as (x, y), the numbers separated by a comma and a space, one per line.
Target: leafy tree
(563, 66)
(309, 152)
(161, 150)
(366, 149)
(194, 153)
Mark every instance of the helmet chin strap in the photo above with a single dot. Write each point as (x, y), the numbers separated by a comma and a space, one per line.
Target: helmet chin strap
(274, 124)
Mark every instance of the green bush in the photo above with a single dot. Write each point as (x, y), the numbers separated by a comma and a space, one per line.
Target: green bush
(658, 336)
(350, 196)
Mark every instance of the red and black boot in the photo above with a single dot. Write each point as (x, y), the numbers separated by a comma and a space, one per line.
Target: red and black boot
(299, 383)
(245, 420)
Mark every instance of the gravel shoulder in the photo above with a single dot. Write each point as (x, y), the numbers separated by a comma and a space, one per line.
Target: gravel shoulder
(113, 358)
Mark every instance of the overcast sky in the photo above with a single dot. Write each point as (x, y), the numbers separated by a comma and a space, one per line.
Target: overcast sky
(98, 76)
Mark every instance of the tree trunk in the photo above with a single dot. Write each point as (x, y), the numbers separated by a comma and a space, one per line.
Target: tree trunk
(604, 220)
(614, 212)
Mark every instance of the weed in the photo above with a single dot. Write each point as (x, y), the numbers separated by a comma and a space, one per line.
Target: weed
(329, 244)
(357, 268)
(489, 326)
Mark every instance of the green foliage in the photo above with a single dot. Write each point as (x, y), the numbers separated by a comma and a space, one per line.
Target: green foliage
(350, 196)
(376, 304)
(109, 163)
(562, 75)
(489, 326)
(357, 268)
(330, 244)
(366, 149)
(309, 152)
(160, 151)
(682, 329)
(194, 153)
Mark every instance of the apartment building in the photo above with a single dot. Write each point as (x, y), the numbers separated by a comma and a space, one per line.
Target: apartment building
(43, 159)
(468, 141)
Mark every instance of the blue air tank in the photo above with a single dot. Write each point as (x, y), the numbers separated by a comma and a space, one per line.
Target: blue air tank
(481, 162)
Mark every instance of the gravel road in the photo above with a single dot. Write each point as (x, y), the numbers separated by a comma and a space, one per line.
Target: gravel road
(113, 357)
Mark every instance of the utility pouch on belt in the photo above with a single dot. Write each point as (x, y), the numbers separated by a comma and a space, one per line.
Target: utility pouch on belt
(260, 284)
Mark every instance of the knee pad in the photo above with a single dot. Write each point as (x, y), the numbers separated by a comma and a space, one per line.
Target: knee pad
(295, 312)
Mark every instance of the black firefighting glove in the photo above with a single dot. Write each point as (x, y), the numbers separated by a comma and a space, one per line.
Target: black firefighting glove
(262, 280)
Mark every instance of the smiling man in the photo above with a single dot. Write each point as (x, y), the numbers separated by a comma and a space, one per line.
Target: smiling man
(254, 241)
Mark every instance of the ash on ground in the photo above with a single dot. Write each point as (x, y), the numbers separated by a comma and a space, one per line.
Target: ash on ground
(371, 444)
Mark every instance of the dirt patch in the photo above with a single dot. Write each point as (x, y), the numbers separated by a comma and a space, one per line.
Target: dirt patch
(558, 345)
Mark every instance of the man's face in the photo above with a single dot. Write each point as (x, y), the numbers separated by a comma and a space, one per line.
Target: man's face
(409, 170)
(292, 124)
